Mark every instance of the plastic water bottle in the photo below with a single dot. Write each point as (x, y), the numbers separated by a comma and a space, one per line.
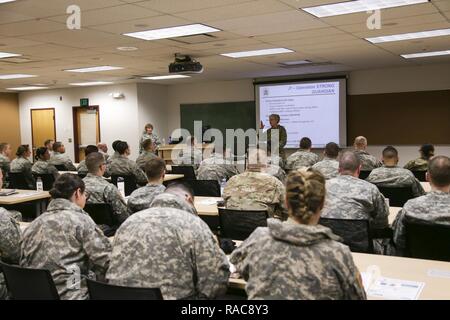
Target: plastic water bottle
(121, 186)
(163, 141)
(223, 183)
(39, 184)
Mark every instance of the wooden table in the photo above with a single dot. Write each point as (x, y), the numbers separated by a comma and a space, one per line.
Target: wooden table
(24, 196)
(207, 206)
(171, 177)
(426, 186)
(165, 151)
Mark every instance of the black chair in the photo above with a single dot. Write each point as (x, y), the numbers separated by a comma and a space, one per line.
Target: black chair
(354, 233)
(29, 284)
(397, 196)
(17, 180)
(101, 213)
(61, 167)
(130, 183)
(204, 188)
(105, 291)
(428, 241)
(239, 224)
(47, 180)
(363, 174)
(420, 175)
(187, 171)
(82, 175)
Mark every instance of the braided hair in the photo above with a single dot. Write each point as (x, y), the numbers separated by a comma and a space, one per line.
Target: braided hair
(305, 193)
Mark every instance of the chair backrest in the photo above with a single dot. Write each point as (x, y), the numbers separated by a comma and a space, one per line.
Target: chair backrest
(188, 171)
(105, 291)
(420, 175)
(61, 167)
(397, 196)
(428, 241)
(354, 233)
(82, 175)
(29, 284)
(204, 188)
(130, 183)
(17, 180)
(239, 224)
(101, 213)
(363, 174)
(47, 180)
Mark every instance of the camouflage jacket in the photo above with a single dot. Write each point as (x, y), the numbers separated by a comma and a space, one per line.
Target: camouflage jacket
(146, 136)
(216, 168)
(167, 200)
(24, 165)
(432, 208)
(126, 167)
(5, 167)
(44, 167)
(9, 243)
(67, 242)
(256, 191)
(282, 139)
(306, 263)
(368, 162)
(169, 249)
(352, 198)
(300, 159)
(115, 155)
(101, 191)
(328, 167)
(58, 159)
(418, 164)
(83, 170)
(141, 198)
(145, 157)
(276, 172)
(396, 177)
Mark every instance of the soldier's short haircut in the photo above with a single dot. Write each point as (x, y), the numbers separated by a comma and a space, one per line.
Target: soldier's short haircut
(57, 145)
(3, 146)
(148, 126)
(154, 168)
(275, 116)
(114, 145)
(332, 150)
(177, 188)
(89, 149)
(121, 147)
(390, 152)
(305, 143)
(47, 142)
(65, 186)
(349, 162)
(427, 150)
(361, 141)
(93, 162)
(147, 144)
(21, 150)
(439, 171)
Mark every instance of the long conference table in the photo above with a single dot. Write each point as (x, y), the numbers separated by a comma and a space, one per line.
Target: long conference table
(168, 177)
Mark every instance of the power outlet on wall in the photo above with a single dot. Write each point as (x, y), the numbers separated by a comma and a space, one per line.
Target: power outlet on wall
(70, 140)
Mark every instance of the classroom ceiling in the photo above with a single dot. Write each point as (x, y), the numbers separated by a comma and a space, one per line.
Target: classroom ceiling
(37, 30)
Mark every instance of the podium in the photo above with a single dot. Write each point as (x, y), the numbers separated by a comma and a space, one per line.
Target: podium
(165, 151)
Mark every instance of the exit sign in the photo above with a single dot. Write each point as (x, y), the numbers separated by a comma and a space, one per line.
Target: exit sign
(84, 102)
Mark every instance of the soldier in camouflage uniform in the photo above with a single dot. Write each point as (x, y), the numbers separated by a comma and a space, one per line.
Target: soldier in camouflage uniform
(141, 198)
(60, 158)
(306, 260)
(171, 249)
(103, 149)
(5, 152)
(65, 241)
(432, 208)
(49, 145)
(275, 171)
(148, 134)
(216, 167)
(42, 166)
(82, 169)
(390, 175)
(122, 166)
(21, 164)
(147, 154)
(177, 196)
(101, 191)
(255, 190)
(368, 162)
(329, 166)
(303, 157)
(189, 156)
(115, 155)
(274, 120)
(421, 164)
(349, 197)
(9, 240)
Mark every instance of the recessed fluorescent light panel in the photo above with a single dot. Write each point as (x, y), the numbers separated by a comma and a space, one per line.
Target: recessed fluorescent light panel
(410, 36)
(175, 76)
(94, 69)
(426, 54)
(26, 88)
(94, 83)
(5, 1)
(8, 55)
(254, 53)
(173, 32)
(15, 76)
(347, 7)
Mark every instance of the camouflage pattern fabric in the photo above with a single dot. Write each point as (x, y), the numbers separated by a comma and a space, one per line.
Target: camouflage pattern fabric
(122, 166)
(168, 200)
(58, 159)
(5, 167)
(328, 167)
(301, 159)
(396, 177)
(44, 167)
(418, 164)
(368, 162)
(145, 157)
(216, 168)
(141, 198)
(276, 172)
(23, 165)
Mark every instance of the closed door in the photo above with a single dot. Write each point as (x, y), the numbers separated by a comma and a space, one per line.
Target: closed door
(42, 127)
(86, 129)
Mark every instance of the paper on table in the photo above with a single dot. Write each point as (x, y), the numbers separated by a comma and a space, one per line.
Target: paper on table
(208, 202)
(438, 273)
(24, 195)
(395, 289)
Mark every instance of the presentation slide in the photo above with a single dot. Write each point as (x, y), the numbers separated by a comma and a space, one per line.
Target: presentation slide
(307, 109)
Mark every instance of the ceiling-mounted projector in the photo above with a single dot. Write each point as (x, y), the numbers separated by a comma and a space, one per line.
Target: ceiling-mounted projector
(184, 64)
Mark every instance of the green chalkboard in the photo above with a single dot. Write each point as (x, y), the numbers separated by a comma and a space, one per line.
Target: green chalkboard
(222, 116)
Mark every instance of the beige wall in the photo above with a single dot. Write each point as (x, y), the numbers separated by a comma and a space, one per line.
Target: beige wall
(10, 124)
